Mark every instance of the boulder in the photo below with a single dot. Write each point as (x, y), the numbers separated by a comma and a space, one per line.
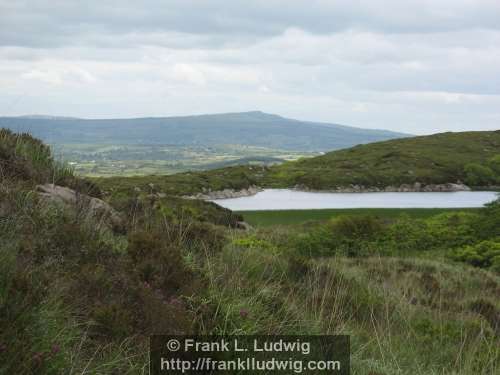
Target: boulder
(243, 225)
(94, 207)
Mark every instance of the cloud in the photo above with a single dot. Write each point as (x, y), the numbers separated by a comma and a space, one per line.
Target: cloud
(55, 23)
(418, 66)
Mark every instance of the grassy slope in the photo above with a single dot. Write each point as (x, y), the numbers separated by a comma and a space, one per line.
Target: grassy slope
(436, 159)
(73, 296)
(405, 316)
(291, 217)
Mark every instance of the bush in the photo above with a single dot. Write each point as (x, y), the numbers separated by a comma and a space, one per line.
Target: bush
(346, 235)
(298, 266)
(488, 311)
(157, 262)
(452, 229)
(485, 254)
(478, 175)
(357, 227)
(407, 234)
(494, 164)
(205, 237)
(488, 224)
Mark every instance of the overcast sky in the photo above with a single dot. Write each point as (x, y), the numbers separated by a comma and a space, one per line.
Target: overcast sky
(418, 66)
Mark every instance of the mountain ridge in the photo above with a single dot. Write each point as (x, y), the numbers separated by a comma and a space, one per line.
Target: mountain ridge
(253, 128)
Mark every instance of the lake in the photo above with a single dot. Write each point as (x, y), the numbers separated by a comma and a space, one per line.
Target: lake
(285, 199)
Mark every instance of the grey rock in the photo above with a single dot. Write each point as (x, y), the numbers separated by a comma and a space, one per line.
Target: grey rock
(225, 194)
(95, 208)
(243, 225)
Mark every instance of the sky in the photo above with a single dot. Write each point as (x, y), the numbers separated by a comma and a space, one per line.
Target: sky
(418, 66)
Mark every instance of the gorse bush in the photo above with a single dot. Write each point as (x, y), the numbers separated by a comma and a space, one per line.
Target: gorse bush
(158, 262)
(346, 235)
(356, 236)
(485, 254)
(356, 227)
(442, 231)
(494, 164)
(479, 175)
(488, 224)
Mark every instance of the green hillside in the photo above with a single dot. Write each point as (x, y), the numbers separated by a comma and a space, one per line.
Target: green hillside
(416, 293)
(434, 159)
(470, 157)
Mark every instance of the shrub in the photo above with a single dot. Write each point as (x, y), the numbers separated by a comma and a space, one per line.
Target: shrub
(347, 235)
(298, 266)
(253, 242)
(488, 311)
(488, 224)
(478, 175)
(157, 262)
(206, 237)
(452, 229)
(494, 164)
(485, 254)
(407, 234)
(357, 227)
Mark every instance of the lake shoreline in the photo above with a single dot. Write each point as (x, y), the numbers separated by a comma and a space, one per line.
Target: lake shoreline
(276, 199)
(404, 188)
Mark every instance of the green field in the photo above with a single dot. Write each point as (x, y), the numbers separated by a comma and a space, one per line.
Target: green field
(105, 160)
(290, 217)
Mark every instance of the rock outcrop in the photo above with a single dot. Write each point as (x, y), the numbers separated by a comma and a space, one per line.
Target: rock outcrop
(404, 188)
(225, 194)
(92, 207)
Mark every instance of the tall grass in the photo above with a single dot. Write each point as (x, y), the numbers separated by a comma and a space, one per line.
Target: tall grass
(404, 316)
(25, 158)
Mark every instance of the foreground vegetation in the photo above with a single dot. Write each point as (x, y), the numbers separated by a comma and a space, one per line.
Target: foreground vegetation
(418, 294)
(294, 217)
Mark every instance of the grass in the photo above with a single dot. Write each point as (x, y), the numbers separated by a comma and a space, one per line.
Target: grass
(434, 159)
(105, 160)
(405, 316)
(292, 217)
(78, 297)
(470, 157)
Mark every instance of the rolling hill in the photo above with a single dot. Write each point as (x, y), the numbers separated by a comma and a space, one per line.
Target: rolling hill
(470, 157)
(248, 128)
(435, 159)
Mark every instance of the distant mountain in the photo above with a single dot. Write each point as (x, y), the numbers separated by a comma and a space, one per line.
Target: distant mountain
(247, 128)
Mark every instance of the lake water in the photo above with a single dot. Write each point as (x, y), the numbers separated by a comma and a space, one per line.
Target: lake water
(285, 199)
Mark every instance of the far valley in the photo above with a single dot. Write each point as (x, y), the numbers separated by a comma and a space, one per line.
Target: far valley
(101, 160)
